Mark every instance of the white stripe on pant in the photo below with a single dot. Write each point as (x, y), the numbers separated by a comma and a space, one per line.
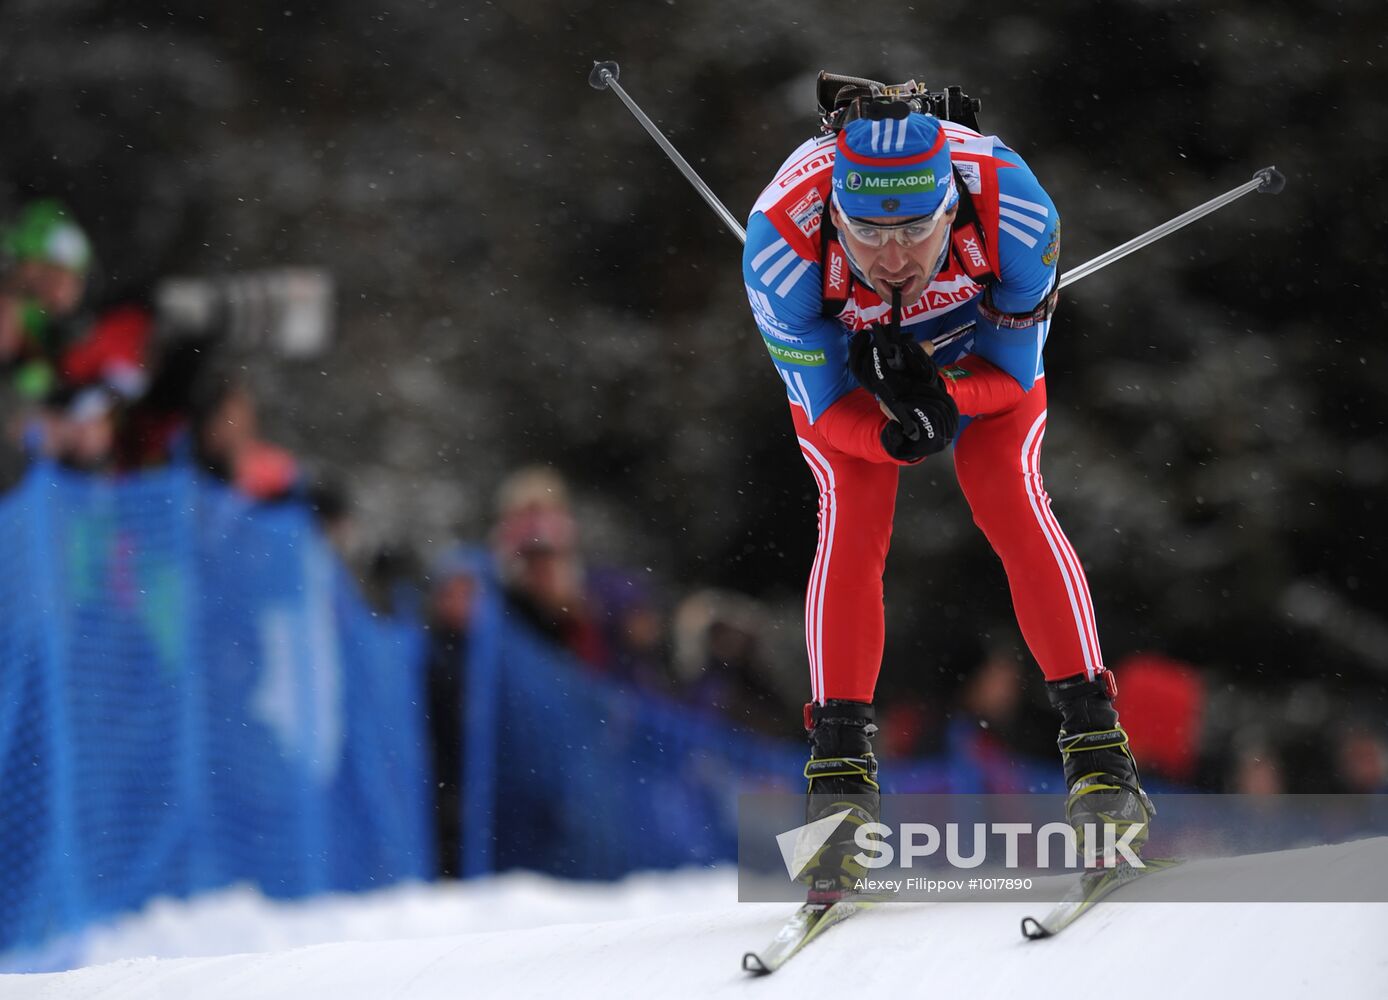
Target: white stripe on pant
(819, 576)
(1076, 586)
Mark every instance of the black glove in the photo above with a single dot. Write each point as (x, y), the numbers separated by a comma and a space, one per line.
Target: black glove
(934, 418)
(893, 367)
(888, 363)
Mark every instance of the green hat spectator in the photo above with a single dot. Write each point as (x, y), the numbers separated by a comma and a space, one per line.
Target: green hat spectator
(45, 231)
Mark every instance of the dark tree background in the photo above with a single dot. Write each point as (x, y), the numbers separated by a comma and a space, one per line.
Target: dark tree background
(523, 276)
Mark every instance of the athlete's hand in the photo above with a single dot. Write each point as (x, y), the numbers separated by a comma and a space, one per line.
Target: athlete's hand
(891, 365)
(933, 416)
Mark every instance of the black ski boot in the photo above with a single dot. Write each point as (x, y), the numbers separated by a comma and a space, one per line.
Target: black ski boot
(842, 774)
(1100, 773)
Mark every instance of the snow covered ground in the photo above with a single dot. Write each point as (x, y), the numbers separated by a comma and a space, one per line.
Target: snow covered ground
(682, 935)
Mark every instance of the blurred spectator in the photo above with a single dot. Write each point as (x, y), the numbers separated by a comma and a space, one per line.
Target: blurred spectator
(451, 603)
(633, 626)
(1256, 766)
(911, 727)
(227, 443)
(1361, 760)
(57, 352)
(155, 370)
(44, 279)
(993, 692)
(394, 583)
(536, 548)
(332, 507)
(720, 657)
(977, 737)
(78, 428)
(1162, 704)
(959, 704)
(604, 618)
(114, 351)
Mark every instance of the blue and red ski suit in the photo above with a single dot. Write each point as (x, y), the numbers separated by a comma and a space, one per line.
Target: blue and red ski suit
(990, 348)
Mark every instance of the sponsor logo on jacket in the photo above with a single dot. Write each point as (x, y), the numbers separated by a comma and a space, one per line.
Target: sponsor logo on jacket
(794, 356)
(838, 272)
(815, 163)
(807, 212)
(938, 298)
(1052, 251)
(974, 251)
(767, 321)
(969, 174)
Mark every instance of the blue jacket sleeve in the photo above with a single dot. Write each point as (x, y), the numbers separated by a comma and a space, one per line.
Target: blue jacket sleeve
(809, 351)
(1027, 253)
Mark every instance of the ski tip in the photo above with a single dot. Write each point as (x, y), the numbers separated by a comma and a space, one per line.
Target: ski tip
(1033, 929)
(751, 962)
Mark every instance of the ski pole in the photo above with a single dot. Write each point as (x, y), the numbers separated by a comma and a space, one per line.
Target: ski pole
(603, 77)
(1269, 180)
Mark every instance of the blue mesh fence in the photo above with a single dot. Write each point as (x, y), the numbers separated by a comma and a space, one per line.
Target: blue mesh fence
(588, 779)
(576, 775)
(192, 694)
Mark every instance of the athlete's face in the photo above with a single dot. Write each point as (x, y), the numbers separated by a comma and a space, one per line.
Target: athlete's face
(892, 265)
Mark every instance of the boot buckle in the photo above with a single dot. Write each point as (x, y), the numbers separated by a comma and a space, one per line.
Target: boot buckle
(1110, 682)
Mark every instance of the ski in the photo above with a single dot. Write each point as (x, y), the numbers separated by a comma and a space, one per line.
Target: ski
(1091, 888)
(804, 926)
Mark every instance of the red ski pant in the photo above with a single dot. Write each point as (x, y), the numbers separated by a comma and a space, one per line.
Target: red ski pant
(998, 462)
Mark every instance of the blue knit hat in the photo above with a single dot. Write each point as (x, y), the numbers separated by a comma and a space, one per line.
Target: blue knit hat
(893, 167)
